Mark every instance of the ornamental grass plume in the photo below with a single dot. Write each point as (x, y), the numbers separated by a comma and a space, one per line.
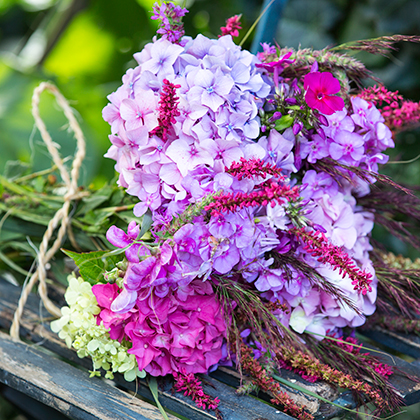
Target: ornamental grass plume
(399, 285)
(259, 376)
(313, 367)
(395, 210)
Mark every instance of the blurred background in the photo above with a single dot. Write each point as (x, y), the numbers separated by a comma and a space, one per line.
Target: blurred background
(85, 46)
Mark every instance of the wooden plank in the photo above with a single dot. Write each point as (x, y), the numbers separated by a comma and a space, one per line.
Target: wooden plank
(63, 387)
(408, 344)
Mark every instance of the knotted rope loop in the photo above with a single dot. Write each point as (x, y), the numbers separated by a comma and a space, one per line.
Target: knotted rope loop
(62, 215)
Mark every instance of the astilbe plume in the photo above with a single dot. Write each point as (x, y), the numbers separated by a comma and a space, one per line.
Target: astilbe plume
(314, 367)
(268, 384)
(193, 388)
(399, 114)
(317, 244)
(251, 168)
(168, 110)
(268, 193)
(233, 25)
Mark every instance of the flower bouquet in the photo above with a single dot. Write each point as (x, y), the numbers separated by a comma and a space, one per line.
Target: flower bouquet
(254, 179)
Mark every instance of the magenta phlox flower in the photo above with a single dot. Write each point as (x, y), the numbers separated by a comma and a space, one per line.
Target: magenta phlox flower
(320, 88)
(347, 147)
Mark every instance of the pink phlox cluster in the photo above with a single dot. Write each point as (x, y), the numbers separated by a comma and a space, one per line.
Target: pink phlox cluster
(170, 15)
(193, 388)
(175, 333)
(317, 244)
(233, 25)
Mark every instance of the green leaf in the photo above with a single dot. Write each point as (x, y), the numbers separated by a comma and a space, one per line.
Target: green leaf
(154, 390)
(96, 199)
(146, 223)
(284, 122)
(92, 265)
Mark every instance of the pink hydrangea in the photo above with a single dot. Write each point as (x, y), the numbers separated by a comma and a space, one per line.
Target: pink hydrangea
(168, 334)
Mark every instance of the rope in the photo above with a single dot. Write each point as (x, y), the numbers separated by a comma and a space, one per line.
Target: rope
(62, 215)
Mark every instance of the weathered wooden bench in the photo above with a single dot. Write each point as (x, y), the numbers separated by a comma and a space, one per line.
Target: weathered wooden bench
(47, 380)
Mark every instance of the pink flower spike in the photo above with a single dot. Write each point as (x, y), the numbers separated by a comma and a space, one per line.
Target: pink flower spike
(232, 27)
(319, 90)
